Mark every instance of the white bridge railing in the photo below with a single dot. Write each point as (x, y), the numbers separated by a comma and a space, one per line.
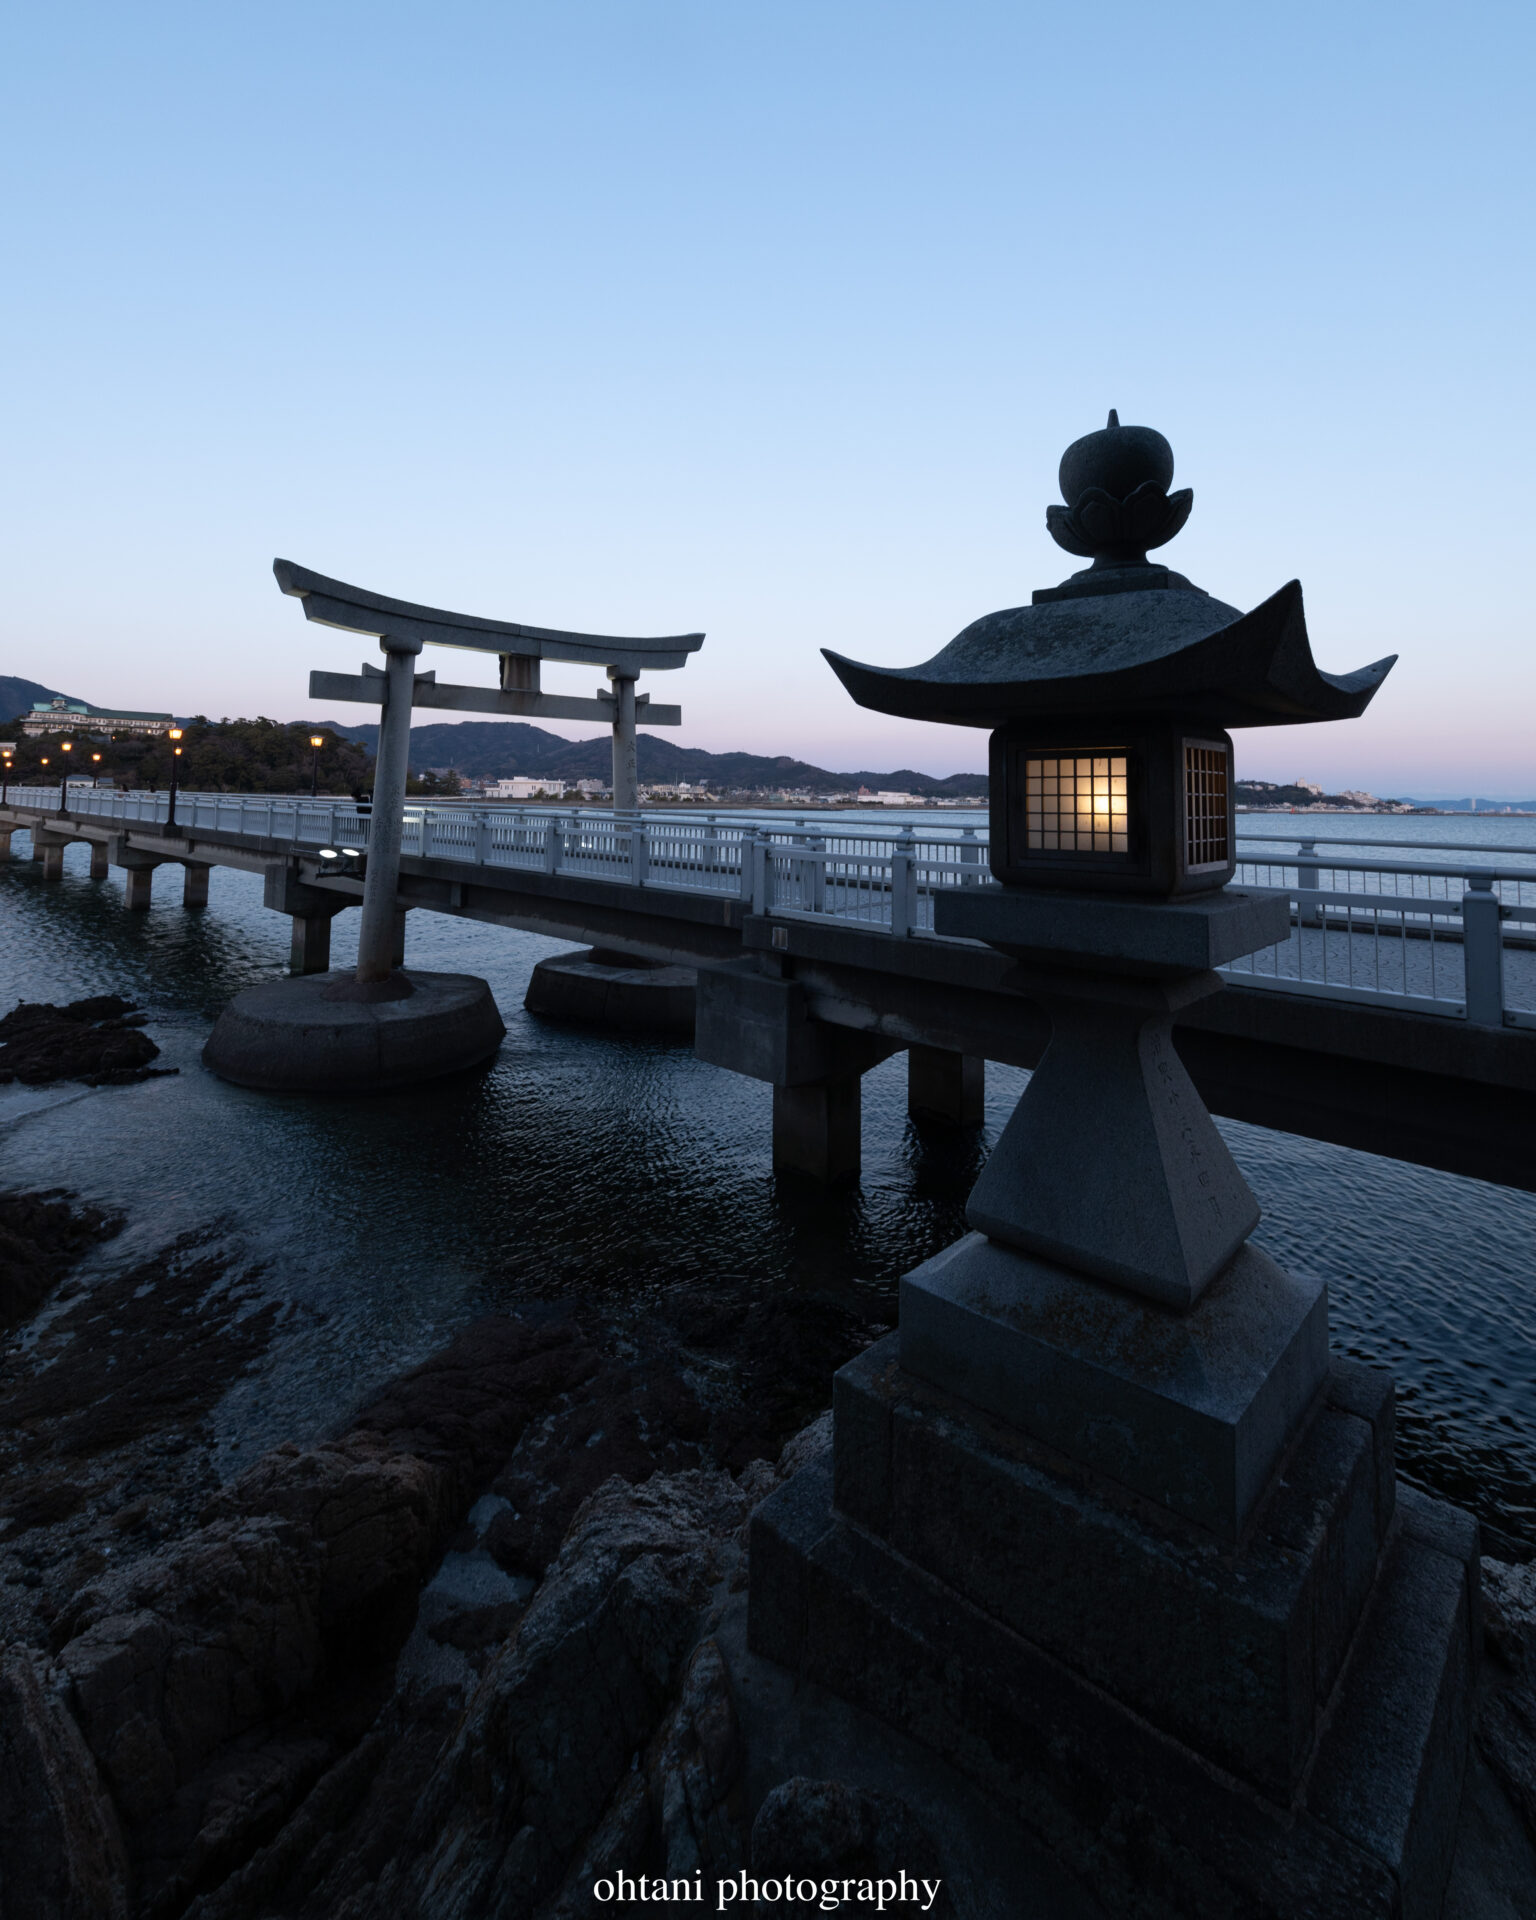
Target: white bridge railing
(1429, 932)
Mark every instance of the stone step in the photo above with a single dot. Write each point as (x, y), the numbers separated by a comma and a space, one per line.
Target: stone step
(1154, 1828)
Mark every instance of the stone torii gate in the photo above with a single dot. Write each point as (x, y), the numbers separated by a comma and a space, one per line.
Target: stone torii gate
(402, 630)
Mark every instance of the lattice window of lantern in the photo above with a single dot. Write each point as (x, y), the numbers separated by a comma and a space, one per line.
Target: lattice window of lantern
(1076, 804)
(1205, 808)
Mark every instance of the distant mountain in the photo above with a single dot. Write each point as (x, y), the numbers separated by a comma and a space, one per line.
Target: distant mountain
(497, 749)
(18, 696)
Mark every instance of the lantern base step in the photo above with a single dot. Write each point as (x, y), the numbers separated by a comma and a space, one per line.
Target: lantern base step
(1153, 1826)
(1192, 1411)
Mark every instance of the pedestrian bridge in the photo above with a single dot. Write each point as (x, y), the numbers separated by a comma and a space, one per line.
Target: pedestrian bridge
(1399, 1015)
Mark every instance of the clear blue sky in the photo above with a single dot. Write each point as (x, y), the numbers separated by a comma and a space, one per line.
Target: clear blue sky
(770, 319)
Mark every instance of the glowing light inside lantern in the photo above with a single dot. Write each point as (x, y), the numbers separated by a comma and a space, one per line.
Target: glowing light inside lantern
(1077, 804)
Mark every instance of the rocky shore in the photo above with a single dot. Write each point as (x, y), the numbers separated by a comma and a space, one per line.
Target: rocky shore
(482, 1648)
(99, 1041)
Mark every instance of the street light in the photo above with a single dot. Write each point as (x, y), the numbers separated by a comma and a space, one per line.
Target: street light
(65, 746)
(95, 768)
(316, 741)
(174, 733)
(5, 773)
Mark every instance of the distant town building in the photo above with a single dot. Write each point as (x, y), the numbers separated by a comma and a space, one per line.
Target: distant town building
(683, 790)
(526, 787)
(74, 716)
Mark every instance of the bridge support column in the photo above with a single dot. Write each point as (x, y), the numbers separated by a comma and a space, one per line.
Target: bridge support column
(817, 1129)
(137, 868)
(312, 910)
(310, 949)
(194, 885)
(49, 848)
(101, 859)
(756, 1021)
(948, 1087)
(5, 842)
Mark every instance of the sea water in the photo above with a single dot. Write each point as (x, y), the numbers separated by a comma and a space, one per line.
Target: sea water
(579, 1163)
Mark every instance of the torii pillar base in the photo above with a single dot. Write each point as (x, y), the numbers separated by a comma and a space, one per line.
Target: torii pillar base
(325, 1034)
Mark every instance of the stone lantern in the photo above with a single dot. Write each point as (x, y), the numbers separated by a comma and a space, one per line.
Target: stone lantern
(1105, 1522)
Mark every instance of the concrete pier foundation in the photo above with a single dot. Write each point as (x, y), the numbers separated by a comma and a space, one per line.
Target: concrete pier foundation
(950, 1088)
(599, 988)
(194, 885)
(334, 1034)
(137, 888)
(5, 842)
(101, 859)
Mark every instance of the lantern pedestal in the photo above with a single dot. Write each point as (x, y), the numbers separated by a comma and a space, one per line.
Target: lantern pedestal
(1103, 1524)
(1197, 1730)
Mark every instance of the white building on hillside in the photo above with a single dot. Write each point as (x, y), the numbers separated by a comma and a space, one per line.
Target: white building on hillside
(526, 787)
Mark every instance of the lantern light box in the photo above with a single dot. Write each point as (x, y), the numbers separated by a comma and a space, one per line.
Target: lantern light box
(1110, 696)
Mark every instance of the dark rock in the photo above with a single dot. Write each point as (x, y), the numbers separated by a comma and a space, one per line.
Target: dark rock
(680, 1813)
(464, 1409)
(64, 1857)
(143, 1350)
(42, 1235)
(43, 1503)
(373, 1516)
(1506, 1721)
(88, 1040)
(560, 1715)
(692, 1767)
(823, 1830)
(616, 1423)
(473, 1629)
(619, 1845)
(169, 1659)
(783, 1351)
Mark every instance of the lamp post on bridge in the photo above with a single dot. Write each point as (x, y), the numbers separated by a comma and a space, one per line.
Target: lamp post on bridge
(316, 742)
(174, 735)
(6, 752)
(65, 746)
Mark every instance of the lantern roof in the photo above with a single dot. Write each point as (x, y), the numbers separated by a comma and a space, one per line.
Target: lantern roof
(1124, 638)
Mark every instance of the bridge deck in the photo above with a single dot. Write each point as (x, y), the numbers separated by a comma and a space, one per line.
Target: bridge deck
(1371, 1027)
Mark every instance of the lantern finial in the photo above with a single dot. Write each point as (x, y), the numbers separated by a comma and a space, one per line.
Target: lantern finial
(1115, 484)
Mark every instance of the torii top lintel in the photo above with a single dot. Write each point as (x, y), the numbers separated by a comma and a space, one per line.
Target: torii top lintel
(334, 604)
